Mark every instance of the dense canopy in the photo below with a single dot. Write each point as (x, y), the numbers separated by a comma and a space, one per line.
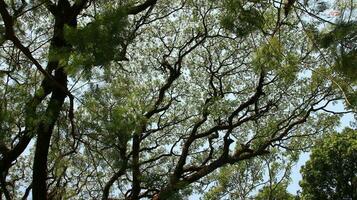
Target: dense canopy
(155, 99)
(331, 172)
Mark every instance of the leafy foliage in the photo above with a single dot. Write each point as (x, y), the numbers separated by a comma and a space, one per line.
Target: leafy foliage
(242, 17)
(331, 172)
(164, 99)
(100, 41)
(341, 41)
(274, 192)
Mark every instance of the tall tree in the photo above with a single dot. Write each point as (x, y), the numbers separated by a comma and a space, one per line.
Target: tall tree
(59, 16)
(270, 174)
(331, 172)
(276, 192)
(148, 99)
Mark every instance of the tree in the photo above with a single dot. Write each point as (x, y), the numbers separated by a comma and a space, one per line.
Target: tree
(150, 99)
(236, 182)
(276, 192)
(331, 172)
(270, 173)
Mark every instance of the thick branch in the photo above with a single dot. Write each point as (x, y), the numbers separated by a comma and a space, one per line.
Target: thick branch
(115, 177)
(136, 167)
(44, 133)
(139, 8)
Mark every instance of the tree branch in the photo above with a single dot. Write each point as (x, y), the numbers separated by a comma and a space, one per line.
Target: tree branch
(139, 8)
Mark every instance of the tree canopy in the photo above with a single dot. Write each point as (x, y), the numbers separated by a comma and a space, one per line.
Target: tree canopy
(155, 99)
(276, 192)
(331, 172)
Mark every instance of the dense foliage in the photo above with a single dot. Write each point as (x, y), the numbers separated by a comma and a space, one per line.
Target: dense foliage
(165, 99)
(274, 192)
(331, 172)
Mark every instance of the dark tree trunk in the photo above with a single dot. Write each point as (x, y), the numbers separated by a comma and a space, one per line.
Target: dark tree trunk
(44, 134)
(63, 16)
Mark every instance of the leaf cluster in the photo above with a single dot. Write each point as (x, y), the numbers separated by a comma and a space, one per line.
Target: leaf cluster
(331, 172)
(99, 42)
